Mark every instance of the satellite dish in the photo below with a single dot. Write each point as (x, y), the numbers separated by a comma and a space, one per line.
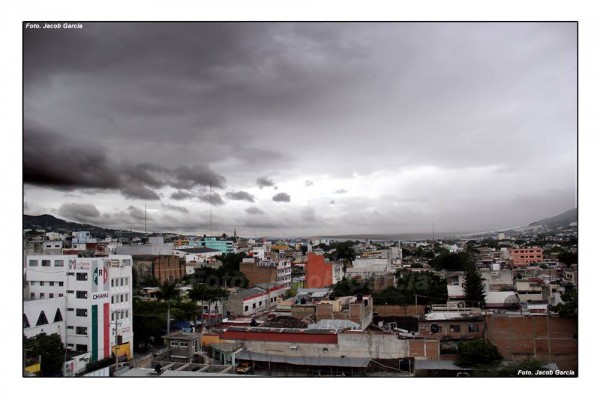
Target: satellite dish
(435, 328)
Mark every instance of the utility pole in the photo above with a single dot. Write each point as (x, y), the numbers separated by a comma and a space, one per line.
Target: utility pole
(115, 352)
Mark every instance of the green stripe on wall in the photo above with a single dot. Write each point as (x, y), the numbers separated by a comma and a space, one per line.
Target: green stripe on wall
(94, 332)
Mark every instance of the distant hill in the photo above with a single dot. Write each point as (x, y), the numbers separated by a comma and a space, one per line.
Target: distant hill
(50, 223)
(562, 219)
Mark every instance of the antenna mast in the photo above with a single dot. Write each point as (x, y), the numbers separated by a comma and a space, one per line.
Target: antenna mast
(210, 205)
(145, 226)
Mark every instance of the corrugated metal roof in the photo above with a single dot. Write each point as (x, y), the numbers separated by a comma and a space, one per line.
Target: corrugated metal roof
(353, 362)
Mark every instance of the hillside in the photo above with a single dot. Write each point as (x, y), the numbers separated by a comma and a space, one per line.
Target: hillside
(50, 223)
(562, 219)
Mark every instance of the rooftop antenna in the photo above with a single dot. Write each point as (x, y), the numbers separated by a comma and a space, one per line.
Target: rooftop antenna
(432, 232)
(210, 205)
(145, 227)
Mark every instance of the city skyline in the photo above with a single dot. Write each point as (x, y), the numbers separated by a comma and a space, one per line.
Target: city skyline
(301, 128)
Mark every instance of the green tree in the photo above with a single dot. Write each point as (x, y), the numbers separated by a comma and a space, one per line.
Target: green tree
(567, 309)
(452, 261)
(567, 258)
(478, 353)
(474, 288)
(512, 370)
(51, 350)
(169, 292)
(345, 252)
(148, 322)
(428, 288)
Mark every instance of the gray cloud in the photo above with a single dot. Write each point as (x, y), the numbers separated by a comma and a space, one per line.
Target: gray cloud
(139, 192)
(214, 199)
(138, 213)
(176, 208)
(254, 211)
(193, 103)
(308, 214)
(308, 183)
(282, 197)
(241, 195)
(263, 181)
(341, 191)
(79, 212)
(181, 195)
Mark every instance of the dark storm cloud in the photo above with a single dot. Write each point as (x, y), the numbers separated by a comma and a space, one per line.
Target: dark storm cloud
(308, 214)
(79, 212)
(214, 199)
(241, 195)
(182, 195)
(139, 192)
(197, 175)
(282, 197)
(263, 181)
(254, 211)
(51, 160)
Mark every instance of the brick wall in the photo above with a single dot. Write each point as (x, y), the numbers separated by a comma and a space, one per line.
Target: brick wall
(539, 337)
(398, 311)
(257, 274)
(317, 272)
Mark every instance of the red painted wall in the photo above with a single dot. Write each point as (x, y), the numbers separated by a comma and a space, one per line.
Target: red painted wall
(317, 272)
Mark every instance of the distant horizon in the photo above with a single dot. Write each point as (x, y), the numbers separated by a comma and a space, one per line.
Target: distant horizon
(361, 236)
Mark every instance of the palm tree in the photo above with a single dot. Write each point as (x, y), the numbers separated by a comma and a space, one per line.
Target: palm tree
(345, 252)
(169, 291)
(199, 293)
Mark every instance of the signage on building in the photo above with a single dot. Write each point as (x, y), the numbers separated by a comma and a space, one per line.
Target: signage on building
(101, 297)
(72, 264)
(114, 263)
(83, 264)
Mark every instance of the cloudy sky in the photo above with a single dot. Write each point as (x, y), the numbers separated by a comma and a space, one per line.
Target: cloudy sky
(301, 129)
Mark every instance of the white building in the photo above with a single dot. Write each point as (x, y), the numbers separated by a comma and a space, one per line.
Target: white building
(156, 246)
(93, 297)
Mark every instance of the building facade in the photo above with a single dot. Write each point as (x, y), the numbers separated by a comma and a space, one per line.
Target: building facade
(93, 297)
(524, 256)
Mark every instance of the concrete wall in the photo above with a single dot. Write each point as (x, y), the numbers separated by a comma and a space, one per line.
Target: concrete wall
(372, 345)
(535, 336)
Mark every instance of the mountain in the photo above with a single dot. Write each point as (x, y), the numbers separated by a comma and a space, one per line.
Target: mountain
(561, 219)
(50, 223)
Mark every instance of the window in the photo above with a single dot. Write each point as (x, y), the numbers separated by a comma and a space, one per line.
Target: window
(70, 327)
(70, 291)
(32, 296)
(112, 283)
(253, 305)
(473, 328)
(454, 328)
(245, 307)
(81, 330)
(70, 309)
(41, 283)
(121, 282)
(46, 263)
(126, 296)
(81, 294)
(183, 344)
(33, 263)
(81, 312)
(51, 283)
(61, 284)
(121, 296)
(41, 296)
(173, 344)
(70, 273)
(126, 262)
(51, 295)
(112, 317)
(325, 349)
(59, 263)
(260, 303)
(82, 276)
(81, 347)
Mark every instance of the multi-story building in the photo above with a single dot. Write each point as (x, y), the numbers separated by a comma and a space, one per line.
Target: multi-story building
(161, 267)
(524, 256)
(88, 301)
(265, 271)
(321, 274)
(224, 246)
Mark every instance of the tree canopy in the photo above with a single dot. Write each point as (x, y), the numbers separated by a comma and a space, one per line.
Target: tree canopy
(477, 353)
(452, 261)
(51, 350)
(427, 286)
(474, 288)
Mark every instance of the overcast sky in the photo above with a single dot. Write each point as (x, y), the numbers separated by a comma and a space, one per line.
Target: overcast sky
(301, 129)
